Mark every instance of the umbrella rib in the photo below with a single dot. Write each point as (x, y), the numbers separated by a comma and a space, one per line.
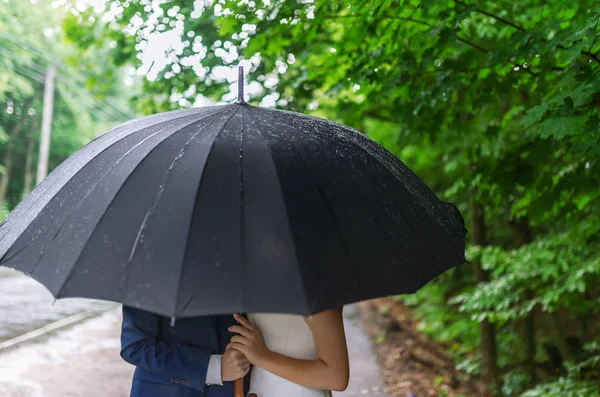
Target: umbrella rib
(343, 243)
(242, 240)
(390, 162)
(68, 217)
(48, 181)
(308, 306)
(395, 166)
(142, 227)
(174, 314)
(71, 271)
(377, 158)
(374, 176)
(378, 180)
(17, 252)
(48, 185)
(383, 156)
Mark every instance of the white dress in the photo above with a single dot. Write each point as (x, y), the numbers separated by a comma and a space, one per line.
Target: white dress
(289, 335)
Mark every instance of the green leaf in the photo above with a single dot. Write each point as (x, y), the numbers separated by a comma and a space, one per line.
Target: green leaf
(574, 51)
(582, 94)
(534, 115)
(559, 127)
(583, 200)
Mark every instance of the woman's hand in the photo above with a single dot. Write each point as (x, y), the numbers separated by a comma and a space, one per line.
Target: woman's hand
(248, 340)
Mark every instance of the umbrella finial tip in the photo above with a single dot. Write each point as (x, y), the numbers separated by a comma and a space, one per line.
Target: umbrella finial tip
(240, 84)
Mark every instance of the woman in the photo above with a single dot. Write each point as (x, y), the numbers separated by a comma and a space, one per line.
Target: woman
(294, 356)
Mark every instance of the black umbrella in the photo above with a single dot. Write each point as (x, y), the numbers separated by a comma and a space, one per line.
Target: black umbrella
(232, 208)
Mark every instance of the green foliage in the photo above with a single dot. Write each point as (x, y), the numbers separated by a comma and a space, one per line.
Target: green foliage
(457, 333)
(565, 387)
(4, 210)
(559, 269)
(31, 41)
(581, 379)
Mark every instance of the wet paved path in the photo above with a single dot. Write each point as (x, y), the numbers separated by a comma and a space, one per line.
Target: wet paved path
(365, 378)
(26, 305)
(79, 362)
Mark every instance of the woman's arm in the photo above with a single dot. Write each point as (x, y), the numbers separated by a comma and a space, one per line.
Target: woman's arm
(330, 371)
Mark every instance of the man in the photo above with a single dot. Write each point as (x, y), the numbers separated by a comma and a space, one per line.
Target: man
(189, 359)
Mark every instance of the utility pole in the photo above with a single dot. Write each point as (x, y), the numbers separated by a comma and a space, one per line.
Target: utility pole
(42, 167)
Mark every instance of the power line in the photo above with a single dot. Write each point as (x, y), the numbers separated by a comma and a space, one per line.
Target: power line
(84, 94)
(41, 69)
(36, 77)
(82, 79)
(90, 97)
(40, 78)
(69, 72)
(29, 47)
(90, 106)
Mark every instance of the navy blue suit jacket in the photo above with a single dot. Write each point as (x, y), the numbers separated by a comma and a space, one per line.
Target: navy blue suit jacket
(172, 361)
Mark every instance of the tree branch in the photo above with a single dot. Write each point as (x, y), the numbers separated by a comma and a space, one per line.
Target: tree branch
(485, 50)
(588, 54)
(471, 44)
(504, 21)
(417, 21)
(407, 19)
(379, 117)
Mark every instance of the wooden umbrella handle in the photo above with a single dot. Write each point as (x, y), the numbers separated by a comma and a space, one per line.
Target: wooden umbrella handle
(238, 389)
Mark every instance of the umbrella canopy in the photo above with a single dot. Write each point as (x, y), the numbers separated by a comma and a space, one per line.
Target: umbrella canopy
(232, 208)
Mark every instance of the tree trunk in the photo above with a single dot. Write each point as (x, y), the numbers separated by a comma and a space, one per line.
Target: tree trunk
(529, 340)
(489, 370)
(560, 338)
(42, 167)
(28, 179)
(7, 162)
(521, 232)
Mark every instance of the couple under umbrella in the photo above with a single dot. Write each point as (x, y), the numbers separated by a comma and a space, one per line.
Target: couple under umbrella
(233, 235)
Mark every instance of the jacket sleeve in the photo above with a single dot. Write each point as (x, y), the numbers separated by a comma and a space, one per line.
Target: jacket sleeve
(172, 362)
